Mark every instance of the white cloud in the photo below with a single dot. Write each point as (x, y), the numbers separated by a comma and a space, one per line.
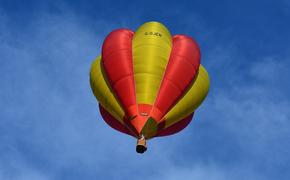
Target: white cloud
(207, 171)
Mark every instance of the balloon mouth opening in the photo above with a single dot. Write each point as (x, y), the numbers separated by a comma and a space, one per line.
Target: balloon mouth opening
(141, 149)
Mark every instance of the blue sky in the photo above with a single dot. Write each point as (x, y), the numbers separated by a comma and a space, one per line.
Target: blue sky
(50, 127)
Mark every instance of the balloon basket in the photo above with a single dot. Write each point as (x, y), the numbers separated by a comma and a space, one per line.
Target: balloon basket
(141, 145)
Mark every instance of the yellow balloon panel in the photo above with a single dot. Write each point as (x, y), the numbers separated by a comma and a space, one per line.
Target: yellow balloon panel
(194, 96)
(151, 50)
(102, 91)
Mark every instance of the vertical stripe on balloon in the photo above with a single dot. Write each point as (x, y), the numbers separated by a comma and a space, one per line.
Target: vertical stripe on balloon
(117, 62)
(181, 69)
(103, 92)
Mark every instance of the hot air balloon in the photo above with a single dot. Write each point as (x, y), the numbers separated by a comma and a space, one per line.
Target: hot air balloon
(148, 83)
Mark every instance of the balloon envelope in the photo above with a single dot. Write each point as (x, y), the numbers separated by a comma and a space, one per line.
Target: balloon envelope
(147, 82)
